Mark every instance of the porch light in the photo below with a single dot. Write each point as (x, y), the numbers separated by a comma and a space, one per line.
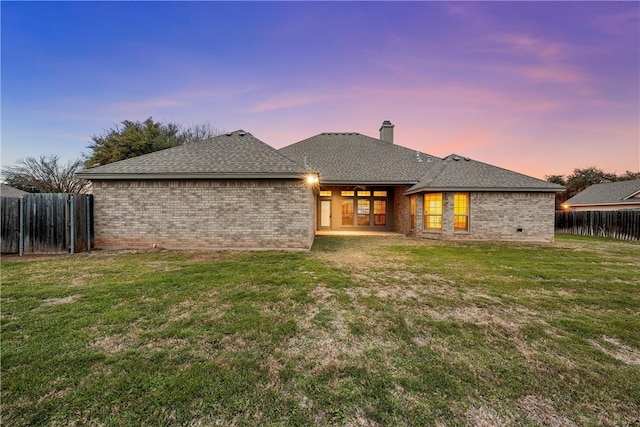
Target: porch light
(312, 179)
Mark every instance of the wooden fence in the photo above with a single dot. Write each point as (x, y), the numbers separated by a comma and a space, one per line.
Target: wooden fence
(47, 223)
(623, 225)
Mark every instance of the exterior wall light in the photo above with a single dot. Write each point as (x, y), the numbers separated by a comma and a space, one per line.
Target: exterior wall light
(312, 179)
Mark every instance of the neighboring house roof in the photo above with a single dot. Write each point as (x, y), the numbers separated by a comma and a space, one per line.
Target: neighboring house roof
(8, 191)
(352, 158)
(611, 193)
(457, 173)
(233, 155)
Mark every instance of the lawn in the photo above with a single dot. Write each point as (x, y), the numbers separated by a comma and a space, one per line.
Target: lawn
(361, 331)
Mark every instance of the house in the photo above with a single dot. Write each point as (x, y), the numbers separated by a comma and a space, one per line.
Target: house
(231, 191)
(235, 191)
(8, 191)
(606, 197)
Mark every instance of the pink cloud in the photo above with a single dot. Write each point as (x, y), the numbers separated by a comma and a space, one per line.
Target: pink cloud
(548, 73)
(290, 100)
(528, 45)
(462, 97)
(147, 104)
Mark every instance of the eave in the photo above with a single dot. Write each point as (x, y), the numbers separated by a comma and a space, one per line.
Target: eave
(586, 205)
(170, 176)
(485, 190)
(380, 183)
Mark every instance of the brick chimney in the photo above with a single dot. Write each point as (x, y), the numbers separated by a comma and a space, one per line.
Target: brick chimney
(386, 132)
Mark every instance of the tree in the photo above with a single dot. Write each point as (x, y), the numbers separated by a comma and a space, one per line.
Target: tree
(137, 138)
(198, 132)
(46, 175)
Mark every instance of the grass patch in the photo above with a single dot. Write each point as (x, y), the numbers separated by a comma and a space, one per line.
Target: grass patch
(359, 331)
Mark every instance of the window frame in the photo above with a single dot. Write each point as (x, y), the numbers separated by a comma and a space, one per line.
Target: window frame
(461, 212)
(412, 210)
(432, 217)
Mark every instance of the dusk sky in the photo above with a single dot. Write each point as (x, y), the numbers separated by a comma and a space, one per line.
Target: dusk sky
(539, 88)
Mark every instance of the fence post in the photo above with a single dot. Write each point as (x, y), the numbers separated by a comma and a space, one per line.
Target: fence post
(72, 225)
(21, 237)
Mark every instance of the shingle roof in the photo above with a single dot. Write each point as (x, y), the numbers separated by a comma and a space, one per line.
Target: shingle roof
(8, 191)
(354, 158)
(463, 174)
(611, 192)
(236, 154)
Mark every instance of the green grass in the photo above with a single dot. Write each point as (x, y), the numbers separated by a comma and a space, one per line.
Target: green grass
(360, 331)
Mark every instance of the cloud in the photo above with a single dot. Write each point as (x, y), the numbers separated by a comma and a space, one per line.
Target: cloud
(524, 44)
(175, 101)
(536, 60)
(292, 100)
(548, 73)
(147, 104)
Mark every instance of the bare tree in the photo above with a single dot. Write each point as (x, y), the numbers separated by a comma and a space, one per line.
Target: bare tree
(198, 132)
(46, 175)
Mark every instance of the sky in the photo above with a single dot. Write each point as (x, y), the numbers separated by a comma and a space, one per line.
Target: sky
(540, 88)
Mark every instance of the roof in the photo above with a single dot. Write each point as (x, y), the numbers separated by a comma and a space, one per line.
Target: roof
(619, 192)
(8, 191)
(339, 159)
(457, 173)
(352, 158)
(233, 155)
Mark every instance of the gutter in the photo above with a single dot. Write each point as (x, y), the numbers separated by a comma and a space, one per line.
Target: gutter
(486, 190)
(147, 176)
(621, 204)
(380, 183)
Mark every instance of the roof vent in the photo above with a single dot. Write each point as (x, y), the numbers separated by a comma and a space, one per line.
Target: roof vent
(228, 134)
(242, 133)
(467, 159)
(418, 158)
(456, 158)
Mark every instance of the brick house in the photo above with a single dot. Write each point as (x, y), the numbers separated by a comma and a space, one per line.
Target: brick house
(235, 191)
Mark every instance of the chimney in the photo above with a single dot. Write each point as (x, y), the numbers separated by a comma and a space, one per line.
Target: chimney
(386, 132)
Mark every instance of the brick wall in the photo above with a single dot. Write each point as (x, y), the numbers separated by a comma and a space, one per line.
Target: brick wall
(205, 214)
(497, 216)
(401, 211)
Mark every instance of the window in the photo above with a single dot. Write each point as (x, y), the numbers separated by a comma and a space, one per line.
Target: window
(347, 211)
(325, 193)
(379, 212)
(461, 211)
(433, 211)
(412, 203)
(364, 207)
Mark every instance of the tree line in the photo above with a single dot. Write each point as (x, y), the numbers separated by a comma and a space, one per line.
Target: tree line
(46, 174)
